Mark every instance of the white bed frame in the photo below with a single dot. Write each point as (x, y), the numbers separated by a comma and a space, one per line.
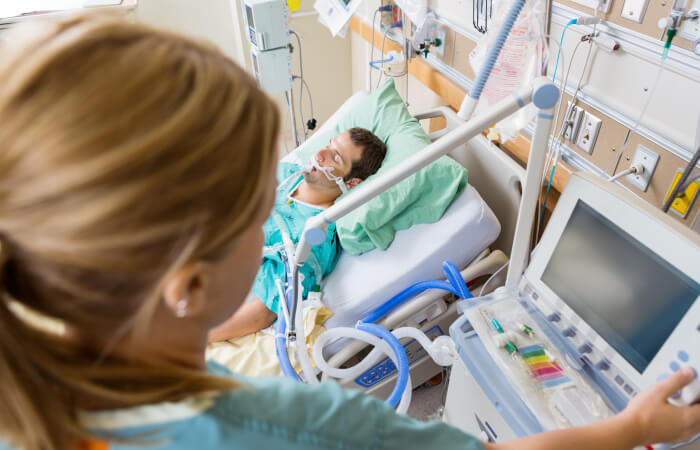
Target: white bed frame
(499, 180)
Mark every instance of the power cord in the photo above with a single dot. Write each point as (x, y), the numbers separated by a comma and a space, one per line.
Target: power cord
(381, 9)
(304, 124)
(561, 42)
(634, 168)
(555, 148)
(483, 288)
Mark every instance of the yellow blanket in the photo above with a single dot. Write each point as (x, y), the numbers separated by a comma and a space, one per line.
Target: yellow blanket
(254, 355)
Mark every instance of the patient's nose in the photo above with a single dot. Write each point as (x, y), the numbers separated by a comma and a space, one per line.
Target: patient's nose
(322, 155)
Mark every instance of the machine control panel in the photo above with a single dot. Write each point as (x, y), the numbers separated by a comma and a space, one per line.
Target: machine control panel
(680, 350)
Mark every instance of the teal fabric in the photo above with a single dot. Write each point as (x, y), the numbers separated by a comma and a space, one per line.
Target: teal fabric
(293, 215)
(421, 198)
(278, 413)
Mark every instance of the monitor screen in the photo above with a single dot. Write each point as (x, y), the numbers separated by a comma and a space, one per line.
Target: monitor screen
(628, 294)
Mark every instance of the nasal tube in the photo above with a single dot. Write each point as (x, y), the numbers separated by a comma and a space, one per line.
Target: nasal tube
(328, 172)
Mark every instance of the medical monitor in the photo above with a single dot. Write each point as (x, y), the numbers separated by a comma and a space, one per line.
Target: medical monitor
(627, 293)
(621, 280)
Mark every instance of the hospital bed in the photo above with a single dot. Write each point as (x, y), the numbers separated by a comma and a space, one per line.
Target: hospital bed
(475, 233)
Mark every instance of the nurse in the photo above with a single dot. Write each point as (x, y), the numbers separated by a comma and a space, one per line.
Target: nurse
(136, 172)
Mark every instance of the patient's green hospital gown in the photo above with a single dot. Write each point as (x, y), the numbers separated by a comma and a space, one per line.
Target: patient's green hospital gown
(292, 214)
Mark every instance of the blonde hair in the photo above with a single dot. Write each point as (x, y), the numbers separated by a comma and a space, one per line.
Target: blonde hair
(125, 152)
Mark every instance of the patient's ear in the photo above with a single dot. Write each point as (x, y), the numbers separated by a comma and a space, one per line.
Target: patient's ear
(352, 182)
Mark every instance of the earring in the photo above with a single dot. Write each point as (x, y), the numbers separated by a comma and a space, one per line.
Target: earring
(181, 307)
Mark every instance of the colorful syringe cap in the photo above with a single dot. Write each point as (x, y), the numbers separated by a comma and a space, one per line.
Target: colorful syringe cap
(497, 325)
(526, 329)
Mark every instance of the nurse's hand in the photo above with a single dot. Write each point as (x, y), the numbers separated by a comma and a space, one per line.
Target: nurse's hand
(656, 420)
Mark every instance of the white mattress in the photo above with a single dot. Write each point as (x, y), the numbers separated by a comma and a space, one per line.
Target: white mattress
(358, 284)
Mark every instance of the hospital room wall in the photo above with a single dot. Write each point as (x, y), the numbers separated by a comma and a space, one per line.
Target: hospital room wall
(620, 82)
(622, 79)
(217, 21)
(327, 62)
(418, 96)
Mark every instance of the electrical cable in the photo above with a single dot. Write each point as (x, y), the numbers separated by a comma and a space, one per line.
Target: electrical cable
(690, 180)
(552, 156)
(446, 372)
(311, 101)
(371, 52)
(493, 275)
(561, 102)
(301, 88)
(560, 54)
(554, 153)
(290, 103)
(284, 126)
(561, 42)
(381, 72)
(406, 80)
(636, 168)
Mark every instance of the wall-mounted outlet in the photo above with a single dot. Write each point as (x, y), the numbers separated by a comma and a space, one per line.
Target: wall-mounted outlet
(574, 119)
(690, 29)
(634, 10)
(684, 200)
(648, 159)
(588, 133)
(441, 34)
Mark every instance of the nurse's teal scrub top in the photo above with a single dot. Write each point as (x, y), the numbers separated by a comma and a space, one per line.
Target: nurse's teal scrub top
(275, 413)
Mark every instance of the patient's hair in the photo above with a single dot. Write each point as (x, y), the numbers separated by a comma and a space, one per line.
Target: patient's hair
(125, 153)
(373, 153)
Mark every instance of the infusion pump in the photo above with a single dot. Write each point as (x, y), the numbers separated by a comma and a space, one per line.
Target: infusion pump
(267, 23)
(267, 26)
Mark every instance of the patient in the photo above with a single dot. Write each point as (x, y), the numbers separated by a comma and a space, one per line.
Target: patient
(347, 160)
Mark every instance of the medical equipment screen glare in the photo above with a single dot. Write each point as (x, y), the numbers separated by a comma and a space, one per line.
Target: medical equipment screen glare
(628, 294)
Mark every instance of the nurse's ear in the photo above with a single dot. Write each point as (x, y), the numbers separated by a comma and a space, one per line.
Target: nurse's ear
(184, 291)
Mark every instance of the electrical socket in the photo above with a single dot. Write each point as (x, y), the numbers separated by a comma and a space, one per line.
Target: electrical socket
(681, 205)
(575, 116)
(588, 133)
(648, 159)
(634, 10)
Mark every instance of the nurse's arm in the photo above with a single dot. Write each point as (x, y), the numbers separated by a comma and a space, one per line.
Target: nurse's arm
(648, 419)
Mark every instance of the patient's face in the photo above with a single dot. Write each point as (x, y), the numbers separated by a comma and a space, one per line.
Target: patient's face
(338, 154)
